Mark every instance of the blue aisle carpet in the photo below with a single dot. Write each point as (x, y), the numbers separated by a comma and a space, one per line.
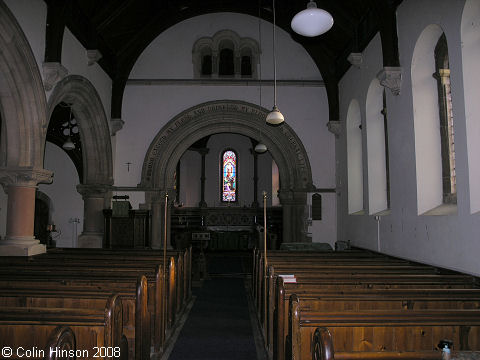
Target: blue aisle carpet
(219, 325)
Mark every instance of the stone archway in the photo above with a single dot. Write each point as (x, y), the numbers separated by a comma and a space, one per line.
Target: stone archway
(96, 150)
(233, 117)
(22, 98)
(23, 113)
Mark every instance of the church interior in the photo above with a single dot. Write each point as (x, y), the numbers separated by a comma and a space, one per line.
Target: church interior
(226, 179)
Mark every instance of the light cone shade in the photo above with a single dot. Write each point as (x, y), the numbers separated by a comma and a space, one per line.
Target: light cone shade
(260, 148)
(275, 117)
(68, 145)
(312, 21)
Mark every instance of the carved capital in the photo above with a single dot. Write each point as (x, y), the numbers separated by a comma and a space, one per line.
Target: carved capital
(93, 56)
(53, 72)
(116, 125)
(335, 127)
(356, 59)
(93, 190)
(391, 78)
(27, 177)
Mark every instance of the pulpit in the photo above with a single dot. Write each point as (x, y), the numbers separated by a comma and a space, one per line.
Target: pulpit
(127, 231)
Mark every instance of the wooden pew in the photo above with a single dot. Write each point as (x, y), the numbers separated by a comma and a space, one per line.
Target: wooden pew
(31, 327)
(316, 299)
(136, 321)
(330, 274)
(61, 338)
(382, 334)
(278, 301)
(130, 255)
(298, 256)
(163, 316)
(123, 259)
(322, 349)
(334, 263)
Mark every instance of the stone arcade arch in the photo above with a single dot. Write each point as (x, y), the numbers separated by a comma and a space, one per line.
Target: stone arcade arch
(96, 150)
(234, 117)
(23, 113)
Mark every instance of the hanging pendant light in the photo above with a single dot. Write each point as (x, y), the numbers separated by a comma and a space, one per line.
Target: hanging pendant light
(68, 144)
(260, 148)
(312, 21)
(274, 117)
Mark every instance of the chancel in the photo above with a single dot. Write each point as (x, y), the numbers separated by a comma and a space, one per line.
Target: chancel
(158, 205)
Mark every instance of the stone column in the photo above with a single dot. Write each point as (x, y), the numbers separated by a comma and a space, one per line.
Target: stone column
(95, 199)
(20, 185)
(294, 215)
(202, 203)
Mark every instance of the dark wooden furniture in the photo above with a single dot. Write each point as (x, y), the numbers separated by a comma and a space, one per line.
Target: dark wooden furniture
(131, 231)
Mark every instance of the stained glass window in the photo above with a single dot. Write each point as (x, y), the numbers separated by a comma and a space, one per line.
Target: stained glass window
(229, 176)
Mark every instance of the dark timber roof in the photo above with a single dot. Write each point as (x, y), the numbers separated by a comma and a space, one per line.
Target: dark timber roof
(122, 29)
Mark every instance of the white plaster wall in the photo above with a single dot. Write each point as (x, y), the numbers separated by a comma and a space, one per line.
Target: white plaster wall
(325, 230)
(32, 18)
(169, 56)
(449, 241)
(74, 59)
(67, 202)
(147, 108)
(191, 169)
(190, 183)
(428, 148)
(471, 77)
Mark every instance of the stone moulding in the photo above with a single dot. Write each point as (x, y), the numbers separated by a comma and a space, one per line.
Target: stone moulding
(116, 124)
(335, 127)
(53, 72)
(93, 56)
(356, 59)
(391, 78)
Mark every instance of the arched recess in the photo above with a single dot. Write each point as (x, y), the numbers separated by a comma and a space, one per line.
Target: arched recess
(22, 98)
(428, 151)
(470, 32)
(354, 158)
(230, 116)
(92, 122)
(376, 149)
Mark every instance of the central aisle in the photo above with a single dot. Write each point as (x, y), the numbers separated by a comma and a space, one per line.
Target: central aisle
(219, 324)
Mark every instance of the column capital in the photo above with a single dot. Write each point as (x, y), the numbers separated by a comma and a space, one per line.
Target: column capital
(391, 78)
(93, 56)
(53, 72)
(116, 124)
(25, 177)
(356, 59)
(335, 127)
(93, 190)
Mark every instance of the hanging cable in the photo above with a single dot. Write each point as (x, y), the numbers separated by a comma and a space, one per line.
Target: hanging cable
(274, 59)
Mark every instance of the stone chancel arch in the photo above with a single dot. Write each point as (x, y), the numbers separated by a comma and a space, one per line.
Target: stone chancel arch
(229, 116)
(96, 149)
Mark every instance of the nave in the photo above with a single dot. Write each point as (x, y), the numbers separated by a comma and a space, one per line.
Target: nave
(222, 323)
(350, 304)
